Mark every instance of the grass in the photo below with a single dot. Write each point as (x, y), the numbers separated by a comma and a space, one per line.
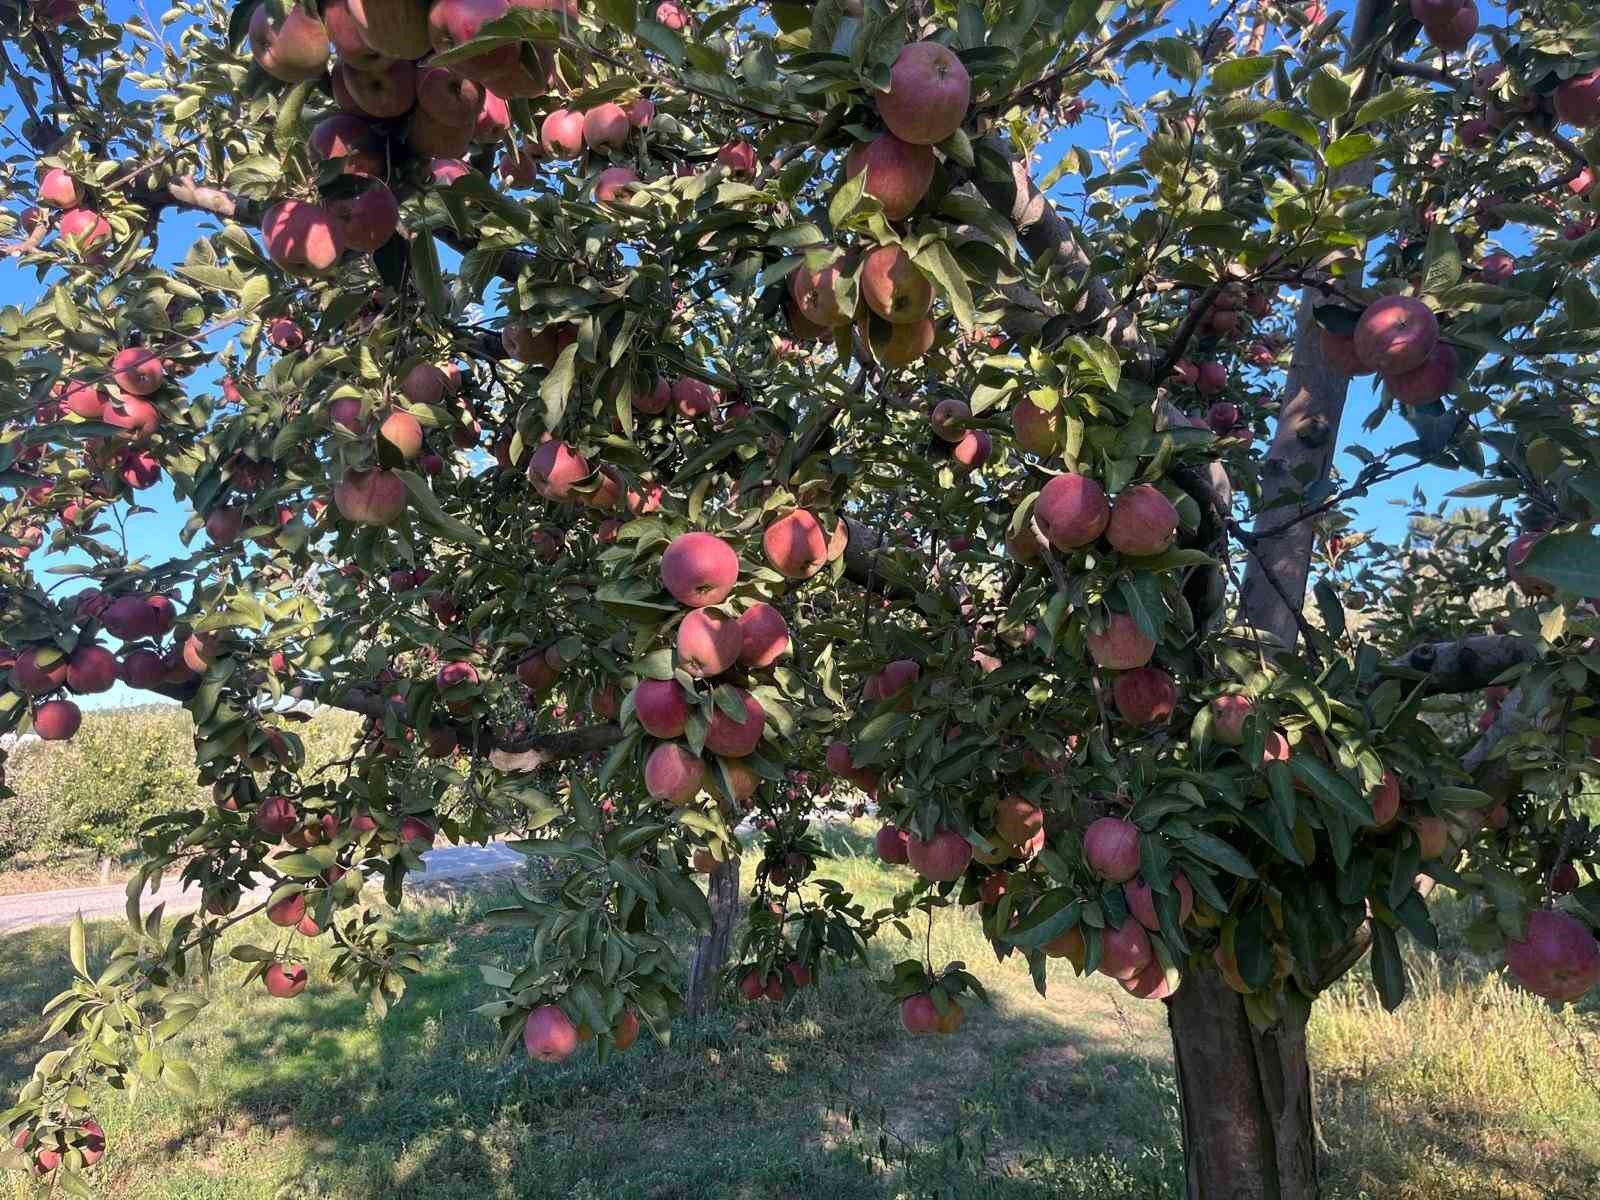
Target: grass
(1471, 1092)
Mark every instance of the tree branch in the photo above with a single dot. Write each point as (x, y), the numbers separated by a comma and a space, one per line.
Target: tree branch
(1469, 664)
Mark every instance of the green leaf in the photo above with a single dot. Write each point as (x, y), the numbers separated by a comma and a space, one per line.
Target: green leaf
(936, 260)
(1388, 971)
(1100, 355)
(1331, 787)
(1350, 148)
(1329, 94)
(1218, 853)
(847, 200)
(685, 896)
(78, 946)
(286, 126)
(1443, 259)
(1387, 104)
(1569, 561)
(425, 268)
(1055, 913)
(1296, 123)
(180, 1078)
(1237, 74)
(557, 386)
(428, 508)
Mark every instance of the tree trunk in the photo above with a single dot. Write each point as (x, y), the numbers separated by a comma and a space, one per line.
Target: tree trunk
(711, 955)
(105, 869)
(1249, 1131)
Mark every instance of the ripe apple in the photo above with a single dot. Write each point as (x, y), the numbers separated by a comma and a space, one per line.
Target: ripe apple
(137, 371)
(1517, 550)
(1577, 100)
(1143, 521)
(449, 98)
(814, 296)
(1145, 696)
(136, 417)
(294, 48)
(91, 669)
(766, 636)
(1396, 334)
(1038, 430)
(738, 158)
(661, 706)
(1497, 267)
(83, 399)
(708, 643)
(606, 126)
(673, 774)
(1454, 32)
(289, 911)
(693, 398)
(1228, 715)
(370, 497)
(285, 980)
(351, 140)
(1019, 823)
(452, 22)
(699, 569)
(56, 720)
(1124, 950)
(929, 91)
(1429, 382)
(494, 118)
(1072, 511)
(893, 287)
(87, 229)
(892, 345)
(1142, 902)
(442, 172)
(973, 450)
(640, 113)
(615, 183)
(441, 141)
(890, 845)
(394, 28)
(1119, 644)
(732, 737)
(1111, 849)
(554, 468)
(301, 238)
(1557, 957)
(58, 189)
(796, 545)
(562, 134)
(942, 858)
(1386, 801)
(35, 673)
(898, 172)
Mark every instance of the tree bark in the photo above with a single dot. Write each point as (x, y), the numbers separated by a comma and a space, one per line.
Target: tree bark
(1245, 1095)
(711, 955)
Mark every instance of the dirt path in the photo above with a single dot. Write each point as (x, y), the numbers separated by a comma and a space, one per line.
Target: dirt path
(446, 864)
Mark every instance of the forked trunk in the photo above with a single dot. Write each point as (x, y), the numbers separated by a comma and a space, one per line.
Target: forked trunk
(1249, 1131)
(711, 955)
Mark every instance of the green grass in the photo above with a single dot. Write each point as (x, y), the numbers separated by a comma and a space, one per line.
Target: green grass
(1472, 1092)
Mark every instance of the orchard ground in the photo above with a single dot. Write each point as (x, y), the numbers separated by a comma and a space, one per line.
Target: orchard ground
(1472, 1092)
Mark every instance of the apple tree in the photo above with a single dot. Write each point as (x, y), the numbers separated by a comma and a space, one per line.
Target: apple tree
(657, 419)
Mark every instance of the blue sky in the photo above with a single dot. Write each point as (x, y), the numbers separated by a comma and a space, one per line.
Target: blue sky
(156, 534)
